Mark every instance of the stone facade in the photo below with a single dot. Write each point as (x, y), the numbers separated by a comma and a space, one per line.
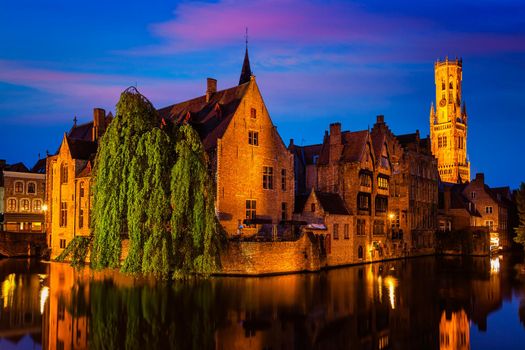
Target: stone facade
(448, 123)
(23, 198)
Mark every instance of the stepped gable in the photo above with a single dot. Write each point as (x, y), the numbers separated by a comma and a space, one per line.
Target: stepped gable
(208, 115)
(353, 146)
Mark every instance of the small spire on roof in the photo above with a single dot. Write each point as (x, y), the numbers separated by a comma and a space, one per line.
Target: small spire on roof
(246, 71)
(75, 122)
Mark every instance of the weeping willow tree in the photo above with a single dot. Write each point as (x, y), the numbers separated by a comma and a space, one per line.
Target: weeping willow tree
(118, 147)
(153, 184)
(194, 225)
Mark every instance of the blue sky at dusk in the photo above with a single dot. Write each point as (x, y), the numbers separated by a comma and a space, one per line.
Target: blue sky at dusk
(316, 62)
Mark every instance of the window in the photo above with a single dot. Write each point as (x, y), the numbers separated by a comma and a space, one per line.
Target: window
(379, 227)
(11, 204)
(24, 205)
(361, 224)
(37, 205)
(19, 187)
(381, 204)
(253, 113)
(360, 253)
(347, 231)
(336, 231)
(81, 190)
(283, 179)
(253, 138)
(80, 218)
(365, 180)
(442, 85)
(284, 211)
(268, 178)
(63, 173)
(488, 210)
(473, 195)
(315, 158)
(62, 243)
(312, 207)
(31, 188)
(251, 209)
(489, 224)
(63, 214)
(382, 183)
(363, 201)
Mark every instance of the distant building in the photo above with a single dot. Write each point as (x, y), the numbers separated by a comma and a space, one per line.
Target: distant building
(448, 123)
(22, 193)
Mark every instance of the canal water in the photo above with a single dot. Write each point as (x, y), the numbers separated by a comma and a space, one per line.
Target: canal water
(420, 303)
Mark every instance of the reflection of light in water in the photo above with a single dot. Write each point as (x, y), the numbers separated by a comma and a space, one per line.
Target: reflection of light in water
(44, 294)
(391, 284)
(380, 287)
(494, 265)
(8, 287)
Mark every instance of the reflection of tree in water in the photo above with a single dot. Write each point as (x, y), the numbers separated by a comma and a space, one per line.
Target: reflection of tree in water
(521, 312)
(148, 316)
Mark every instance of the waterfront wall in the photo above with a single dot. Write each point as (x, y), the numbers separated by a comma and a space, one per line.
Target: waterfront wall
(262, 258)
(17, 244)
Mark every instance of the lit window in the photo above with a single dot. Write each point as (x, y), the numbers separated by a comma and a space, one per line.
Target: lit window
(12, 204)
(31, 188)
(382, 183)
(24, 205)
(37, 205)
(253, 138)
(268, 178)
(19, 187)
(63, 214)
(251, 210)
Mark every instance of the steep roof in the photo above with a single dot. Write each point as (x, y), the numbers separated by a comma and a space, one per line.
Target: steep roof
(82, 132)
(39, 167)
(210, 117)
(332, 203)
(81, 149)
(246, 71)
(306, 153)
(406, 139)
(17, 167)
(353, 146)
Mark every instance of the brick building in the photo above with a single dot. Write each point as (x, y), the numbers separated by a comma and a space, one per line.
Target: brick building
(22, 195)
(69, 182)
(252, 169)
(250, 165)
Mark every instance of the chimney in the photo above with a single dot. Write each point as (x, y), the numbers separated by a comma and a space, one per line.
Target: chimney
(336, 144)
(291, 143)
(380, 119)
(99, 123)
(480, 177)
(211, 88)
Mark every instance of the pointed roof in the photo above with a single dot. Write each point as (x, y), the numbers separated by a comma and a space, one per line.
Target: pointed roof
(246, 71)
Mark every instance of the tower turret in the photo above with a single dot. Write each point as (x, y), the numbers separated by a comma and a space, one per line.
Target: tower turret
(448, 123)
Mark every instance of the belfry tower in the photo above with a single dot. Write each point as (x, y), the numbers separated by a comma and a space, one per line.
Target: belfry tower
(448, 123)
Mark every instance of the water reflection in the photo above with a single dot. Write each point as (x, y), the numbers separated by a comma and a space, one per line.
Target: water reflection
(425, 303)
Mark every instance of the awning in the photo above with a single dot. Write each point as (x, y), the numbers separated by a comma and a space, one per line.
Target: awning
(23, 217)
(257, 221)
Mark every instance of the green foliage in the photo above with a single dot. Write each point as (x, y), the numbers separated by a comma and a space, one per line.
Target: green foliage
(520, 230)
(162, 199)
(194, 225)
(77, 249)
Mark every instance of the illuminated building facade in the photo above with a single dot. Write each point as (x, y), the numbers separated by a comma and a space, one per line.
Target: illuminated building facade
(448, 123)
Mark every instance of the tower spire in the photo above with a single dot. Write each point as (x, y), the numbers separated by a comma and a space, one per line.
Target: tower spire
(246, 71)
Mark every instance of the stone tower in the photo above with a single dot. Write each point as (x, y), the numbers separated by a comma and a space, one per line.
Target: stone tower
(448, 123)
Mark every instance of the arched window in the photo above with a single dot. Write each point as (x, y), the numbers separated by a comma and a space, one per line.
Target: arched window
(31, 188)
(63, 173)
(37, 205)
(360, 254)
(451, 85)
(12, 204)
(19, 187)
(442, 85)
(24, 205)
(81, 189)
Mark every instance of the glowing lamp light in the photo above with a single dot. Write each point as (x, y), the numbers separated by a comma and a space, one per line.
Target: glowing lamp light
(44, 207)
(391, 216)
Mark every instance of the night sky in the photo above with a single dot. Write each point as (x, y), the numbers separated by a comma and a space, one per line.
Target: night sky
(316, 62)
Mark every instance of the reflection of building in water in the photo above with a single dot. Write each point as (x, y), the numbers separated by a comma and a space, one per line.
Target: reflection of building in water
(65, 325)
(454, 331)
(20, 302)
